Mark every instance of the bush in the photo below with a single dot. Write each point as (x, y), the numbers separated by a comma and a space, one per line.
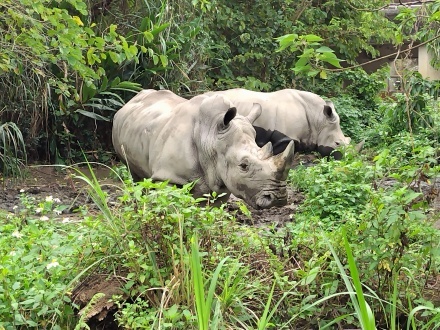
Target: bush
(335, 190)
(351, 116)
(415, 111)
(381, 206)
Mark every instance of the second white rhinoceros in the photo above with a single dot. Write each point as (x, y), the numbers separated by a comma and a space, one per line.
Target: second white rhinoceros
(291, 114)
(165, 137)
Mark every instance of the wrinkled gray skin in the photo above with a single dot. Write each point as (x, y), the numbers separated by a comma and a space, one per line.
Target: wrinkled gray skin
(165, 137)
(298, 115)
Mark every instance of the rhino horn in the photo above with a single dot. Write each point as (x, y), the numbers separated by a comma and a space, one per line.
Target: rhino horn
(266, 151)
(255, 112)
(283, 161)
(359, 146)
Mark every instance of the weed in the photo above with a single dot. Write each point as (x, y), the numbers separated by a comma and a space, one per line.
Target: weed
(12, 150)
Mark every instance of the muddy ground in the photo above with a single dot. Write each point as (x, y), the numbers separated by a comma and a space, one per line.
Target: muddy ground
(43, 181)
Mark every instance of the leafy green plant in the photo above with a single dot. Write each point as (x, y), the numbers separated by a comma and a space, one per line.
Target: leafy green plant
(415, 108)
(363, 309)
(105, 98)
(335, 190)
(351, 116)
(313, 56)
(36, 272)
(204, 304)
(12, 150)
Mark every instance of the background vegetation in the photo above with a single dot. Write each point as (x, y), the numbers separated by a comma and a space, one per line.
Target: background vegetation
(362, 251)
(68, 65)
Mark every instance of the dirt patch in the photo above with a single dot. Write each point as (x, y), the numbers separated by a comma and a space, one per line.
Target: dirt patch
(62, 184)
(44, 181)
(275, 216)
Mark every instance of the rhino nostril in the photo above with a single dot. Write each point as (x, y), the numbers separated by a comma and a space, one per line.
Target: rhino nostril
(267, 196)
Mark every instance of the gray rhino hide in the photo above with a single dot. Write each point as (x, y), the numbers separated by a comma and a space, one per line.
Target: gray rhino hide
(165, 137)
(290, 114)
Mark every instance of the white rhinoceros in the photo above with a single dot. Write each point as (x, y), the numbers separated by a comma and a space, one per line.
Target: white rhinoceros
(290, 114)
(165, 137)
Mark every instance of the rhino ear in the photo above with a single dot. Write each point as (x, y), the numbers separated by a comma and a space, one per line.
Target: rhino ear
(254, 113)
(229, 115)
(328, 112)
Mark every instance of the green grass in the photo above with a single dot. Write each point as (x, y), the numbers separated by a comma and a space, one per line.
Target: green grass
(187, 266)
(354, 286)
(204, 302)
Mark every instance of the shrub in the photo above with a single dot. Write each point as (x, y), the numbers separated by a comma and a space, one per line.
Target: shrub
(334, 190)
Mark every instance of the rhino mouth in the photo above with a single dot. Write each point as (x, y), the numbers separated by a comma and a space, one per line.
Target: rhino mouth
(268, 199)
(326, 151)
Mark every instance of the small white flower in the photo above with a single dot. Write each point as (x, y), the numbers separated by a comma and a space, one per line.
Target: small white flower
(57, 212)
(52, 264)
(15, 207)
(57, 200)
(22, 190)
(49, 199)
(44, 218)
(17, 234)
(38, 210)
(12, 253)
(66, 220)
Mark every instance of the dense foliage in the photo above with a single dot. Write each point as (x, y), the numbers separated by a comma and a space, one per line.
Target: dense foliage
(68, 65)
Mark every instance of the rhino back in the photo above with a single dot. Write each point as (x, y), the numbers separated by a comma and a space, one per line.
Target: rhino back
(155, 135)
(284, 111)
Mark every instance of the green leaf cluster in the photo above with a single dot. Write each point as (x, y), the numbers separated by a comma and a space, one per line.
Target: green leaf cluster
(313, 54)
(244, 38)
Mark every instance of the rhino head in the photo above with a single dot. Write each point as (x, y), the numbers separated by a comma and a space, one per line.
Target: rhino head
(231, 159)
(330, 135)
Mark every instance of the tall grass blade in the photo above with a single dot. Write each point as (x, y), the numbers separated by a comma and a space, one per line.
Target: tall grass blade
(368, 321)
(11, 145)
(263, 322)
(96, 192)
(203, 306)
(363, 310)
(435, 320)
(197, 277)
(394, 304)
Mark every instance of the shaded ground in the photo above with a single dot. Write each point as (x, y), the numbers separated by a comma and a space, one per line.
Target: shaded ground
(44, 181)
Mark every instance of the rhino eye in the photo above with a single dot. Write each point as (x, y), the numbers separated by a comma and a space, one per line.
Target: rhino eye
(244, 166)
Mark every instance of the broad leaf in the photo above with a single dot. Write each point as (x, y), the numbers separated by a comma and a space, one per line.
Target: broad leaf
(311, 38)
(92, 115)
